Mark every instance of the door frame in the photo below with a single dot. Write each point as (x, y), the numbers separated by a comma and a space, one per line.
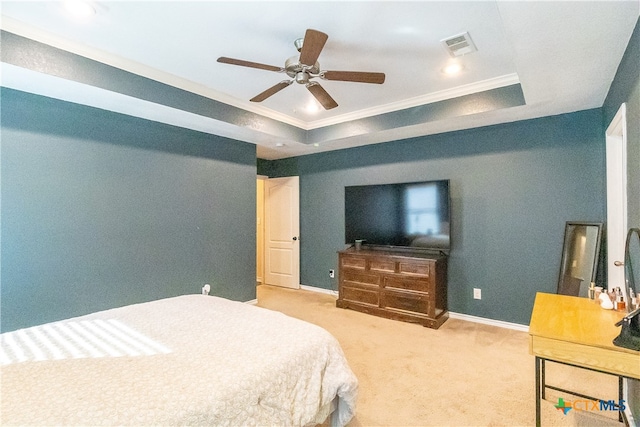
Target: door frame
(260, 229)
(616, 170)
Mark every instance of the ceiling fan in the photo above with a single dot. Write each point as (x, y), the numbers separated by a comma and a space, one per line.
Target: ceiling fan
(304, 68)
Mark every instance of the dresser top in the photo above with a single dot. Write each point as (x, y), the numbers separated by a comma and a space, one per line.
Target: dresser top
(399, 253)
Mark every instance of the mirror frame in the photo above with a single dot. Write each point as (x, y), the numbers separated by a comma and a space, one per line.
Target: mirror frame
(565, 247)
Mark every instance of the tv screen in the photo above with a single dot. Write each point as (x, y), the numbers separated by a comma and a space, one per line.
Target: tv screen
(414, 214)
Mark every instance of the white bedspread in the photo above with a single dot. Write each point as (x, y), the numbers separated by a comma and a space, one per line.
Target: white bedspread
(189, 360)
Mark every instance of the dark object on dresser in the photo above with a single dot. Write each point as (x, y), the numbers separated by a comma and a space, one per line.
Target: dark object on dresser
(402, 285)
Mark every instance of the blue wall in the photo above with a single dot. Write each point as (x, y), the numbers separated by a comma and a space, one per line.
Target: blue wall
(513, 187)
(101, 210)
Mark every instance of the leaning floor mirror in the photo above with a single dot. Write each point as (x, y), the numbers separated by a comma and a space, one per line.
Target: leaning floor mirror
(580, 253)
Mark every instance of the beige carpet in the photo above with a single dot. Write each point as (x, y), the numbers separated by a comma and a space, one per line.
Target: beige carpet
(463, 374)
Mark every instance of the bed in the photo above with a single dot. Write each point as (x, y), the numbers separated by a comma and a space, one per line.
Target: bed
(187, 360)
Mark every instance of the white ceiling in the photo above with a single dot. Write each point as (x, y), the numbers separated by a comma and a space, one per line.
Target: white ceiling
(564, 55)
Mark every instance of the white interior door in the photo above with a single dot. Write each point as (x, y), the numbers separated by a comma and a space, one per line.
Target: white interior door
(282, 229)
(616, 197)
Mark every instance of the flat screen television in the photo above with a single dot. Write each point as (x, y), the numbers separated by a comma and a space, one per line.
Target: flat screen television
(412, 214)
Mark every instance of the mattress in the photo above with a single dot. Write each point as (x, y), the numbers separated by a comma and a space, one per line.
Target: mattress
(188, 360)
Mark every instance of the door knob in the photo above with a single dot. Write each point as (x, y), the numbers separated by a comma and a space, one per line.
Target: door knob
(618, 263)
(295, 238)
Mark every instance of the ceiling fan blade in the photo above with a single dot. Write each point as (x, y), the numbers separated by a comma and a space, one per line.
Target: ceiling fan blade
(272, 90)
(322, 96)
(232, 61)
(354, 76)
(312, 46)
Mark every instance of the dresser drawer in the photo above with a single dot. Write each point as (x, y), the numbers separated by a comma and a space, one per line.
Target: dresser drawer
(414, 268)
(405, 301)
(382, 265)
(354, 262)
(408, 283)
(355, 276)
(359, 295)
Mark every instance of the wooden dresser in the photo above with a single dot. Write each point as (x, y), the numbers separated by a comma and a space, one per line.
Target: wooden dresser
(402, 285)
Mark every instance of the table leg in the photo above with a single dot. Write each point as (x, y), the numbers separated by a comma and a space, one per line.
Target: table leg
(538, 390)
(620, 394)
(543, 388)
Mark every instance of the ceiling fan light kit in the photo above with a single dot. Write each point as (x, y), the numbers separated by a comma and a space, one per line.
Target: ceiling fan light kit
(306, 67)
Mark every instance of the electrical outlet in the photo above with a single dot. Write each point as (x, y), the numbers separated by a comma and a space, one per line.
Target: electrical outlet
(332, 274)
(477, 293)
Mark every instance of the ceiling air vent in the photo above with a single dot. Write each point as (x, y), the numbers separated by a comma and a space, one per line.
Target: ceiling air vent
(459, 45)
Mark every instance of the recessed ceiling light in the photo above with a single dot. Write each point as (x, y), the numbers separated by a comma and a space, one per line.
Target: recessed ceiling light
(279, 144)
(452, 69)
(79, 8)
(313, 107)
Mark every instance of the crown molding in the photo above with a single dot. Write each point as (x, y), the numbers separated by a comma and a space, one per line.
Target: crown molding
(469, 89)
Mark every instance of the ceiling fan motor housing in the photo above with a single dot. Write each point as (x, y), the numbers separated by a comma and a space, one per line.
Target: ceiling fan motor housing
(300, 72)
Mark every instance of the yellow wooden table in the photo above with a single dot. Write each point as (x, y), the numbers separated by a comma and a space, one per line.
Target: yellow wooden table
(576, 331)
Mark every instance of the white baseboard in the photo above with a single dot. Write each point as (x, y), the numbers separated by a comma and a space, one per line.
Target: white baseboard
(252, 302)
(491, 322)
(320, 290)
